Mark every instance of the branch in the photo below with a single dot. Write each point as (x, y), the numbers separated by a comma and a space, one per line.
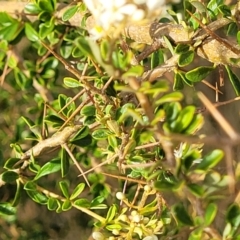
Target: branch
(209, 48)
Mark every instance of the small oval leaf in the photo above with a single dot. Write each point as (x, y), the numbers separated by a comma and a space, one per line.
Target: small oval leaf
(198, 74)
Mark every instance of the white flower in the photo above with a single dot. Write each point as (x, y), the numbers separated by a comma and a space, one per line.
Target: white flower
(118, 13)
(152, 237)
(153, 5)
(98, 236)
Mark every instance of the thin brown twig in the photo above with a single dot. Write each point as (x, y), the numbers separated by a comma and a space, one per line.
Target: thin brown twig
(218, 117)
(65, 146)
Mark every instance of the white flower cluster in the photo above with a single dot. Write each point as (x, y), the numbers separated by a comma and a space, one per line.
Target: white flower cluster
(117, 13)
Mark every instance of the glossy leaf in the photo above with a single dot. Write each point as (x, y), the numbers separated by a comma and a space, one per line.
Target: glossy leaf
(30, 186)
(170, 97)
(11, 163)
(96, 203)
(32, 8)
(46, 5)
(111, 213)
(71, 82)
(9, 176)
(52, 204)
(88, 111)
(69, 13)
(7, 209)
(134, 71)
(157, 58)
(234, 80)
(82, 203)
(182, 48)
(65, 164)
(17, 195)
(182, 215)
(31, 33)
(210, 213)
(101, 134)
(198, 74)
(38, 197)
(184, 119)
(233, 215)
(64, 186)
(67, 205)
(185, 58)
(196, 190)
(48, 168)
(178, 82)
(77, 191)
(211, 160)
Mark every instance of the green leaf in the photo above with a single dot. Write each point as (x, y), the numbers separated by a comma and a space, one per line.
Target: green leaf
(185, 58)
(196, 190)
(83, 45)
(83, 142)
(12, 61)
(182, 48)
(112, 141)
(67, 205)
(48, 168)
(9, 176)
(17, 195)
(66, 50)
(182, 215)
(170, 97)
(65, 164)
(54, 119)
(195, 125)
(64, 186)
(7, 209)
(178, 82)
(30, 186)
(96, 202)
(210, 213)
(31, 33)
(21, 79)
(233, 215)
(111, 213)
(134, 71)
(46, 28)
(225, 10)
(165, 186)
(114, 227)
(46, 5)
(169, 45)
(157, 58)
(198, 74)
(69, 13)
(32, 8)
(234, 80)
(211, 160)
(184, 119)
(37, 197)
(100, 134)
(77, 191)
(71, 82)
(52, 204)
(10, 163)
(88, 111)
(82, 203)
(11, 31)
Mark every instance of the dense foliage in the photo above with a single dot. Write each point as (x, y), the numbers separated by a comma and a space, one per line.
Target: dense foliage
(97, 120)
